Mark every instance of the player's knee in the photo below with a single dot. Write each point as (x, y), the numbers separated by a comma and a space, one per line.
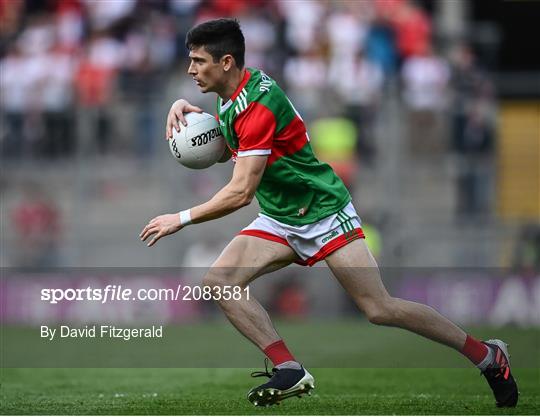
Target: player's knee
(377, 316)
(384, 313)
(221, 277)
(214, 279)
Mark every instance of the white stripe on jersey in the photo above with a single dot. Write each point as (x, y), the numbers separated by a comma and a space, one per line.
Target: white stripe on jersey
(242, 100)
(224, 107)
(254, 152)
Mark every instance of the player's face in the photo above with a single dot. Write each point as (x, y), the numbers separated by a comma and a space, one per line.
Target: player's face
(205, 72)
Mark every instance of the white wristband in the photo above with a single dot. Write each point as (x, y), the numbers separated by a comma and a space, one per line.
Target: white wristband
(185, 217)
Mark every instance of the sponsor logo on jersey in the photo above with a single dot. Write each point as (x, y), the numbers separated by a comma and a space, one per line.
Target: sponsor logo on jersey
(265, 84)
(330, 236)
(206, 137)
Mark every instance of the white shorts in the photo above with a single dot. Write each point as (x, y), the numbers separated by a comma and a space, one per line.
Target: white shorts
(312, 242)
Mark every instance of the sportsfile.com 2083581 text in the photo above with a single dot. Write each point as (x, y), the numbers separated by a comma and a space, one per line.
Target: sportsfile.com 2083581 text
(121, 293)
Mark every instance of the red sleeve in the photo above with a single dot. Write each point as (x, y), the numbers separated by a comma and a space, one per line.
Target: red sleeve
(255, 128)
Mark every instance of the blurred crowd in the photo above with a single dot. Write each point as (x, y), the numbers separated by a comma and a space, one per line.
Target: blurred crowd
(69, 67)
(63, 57)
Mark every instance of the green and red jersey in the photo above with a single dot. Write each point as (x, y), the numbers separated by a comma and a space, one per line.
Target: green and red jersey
(296, 188)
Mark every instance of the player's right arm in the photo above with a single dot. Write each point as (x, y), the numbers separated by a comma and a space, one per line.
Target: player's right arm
(238, 193)
(176, 115)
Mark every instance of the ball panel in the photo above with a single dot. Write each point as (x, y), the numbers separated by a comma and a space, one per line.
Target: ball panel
(200, 144)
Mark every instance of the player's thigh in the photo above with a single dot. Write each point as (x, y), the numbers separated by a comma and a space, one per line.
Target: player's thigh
(247, 257)
(357, 271)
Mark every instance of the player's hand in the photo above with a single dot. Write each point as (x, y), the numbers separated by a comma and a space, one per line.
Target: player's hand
(176, 114)
(160, 226)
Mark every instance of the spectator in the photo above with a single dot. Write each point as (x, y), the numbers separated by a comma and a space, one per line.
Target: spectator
(359, 83)
(413, 29)
(469, 85)
(94, 81)
(104, 15)
(37, 224)
(347, 27)
(184, 12)
(425, 77)
(92, 42)
(69, 25)
(290, 299)
(473, 133)
(260, 36)
(474, 181)
(305, 75)
(10, 16)
(149, 51)
(15, 88)
(56, 91)
(380, 47)
(425, 87)
(302, 29)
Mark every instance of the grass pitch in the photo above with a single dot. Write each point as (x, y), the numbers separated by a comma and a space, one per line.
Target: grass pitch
(453, 388)
(223, 392)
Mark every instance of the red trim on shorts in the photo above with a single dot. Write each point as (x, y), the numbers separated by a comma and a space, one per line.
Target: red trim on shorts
(334, 245)
(264, 235)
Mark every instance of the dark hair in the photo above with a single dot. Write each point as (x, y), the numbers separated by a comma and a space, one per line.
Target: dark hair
(219, 37)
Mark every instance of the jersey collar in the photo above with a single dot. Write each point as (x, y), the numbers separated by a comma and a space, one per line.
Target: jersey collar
(224, 106)
(242, 85)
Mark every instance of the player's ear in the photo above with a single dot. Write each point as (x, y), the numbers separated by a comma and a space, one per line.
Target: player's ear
(227, 62)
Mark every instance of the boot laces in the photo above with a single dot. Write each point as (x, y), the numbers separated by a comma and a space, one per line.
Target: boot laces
(265, 373)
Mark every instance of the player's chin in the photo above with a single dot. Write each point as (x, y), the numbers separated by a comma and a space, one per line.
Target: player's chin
(205, 88)
(202, 88)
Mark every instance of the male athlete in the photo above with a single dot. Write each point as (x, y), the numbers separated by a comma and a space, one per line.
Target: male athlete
(303, 203)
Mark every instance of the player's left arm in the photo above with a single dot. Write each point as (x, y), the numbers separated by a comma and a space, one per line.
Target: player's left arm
(238, 193)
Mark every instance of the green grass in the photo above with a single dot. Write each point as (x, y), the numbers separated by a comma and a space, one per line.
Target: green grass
(359, 369)
(222, 391)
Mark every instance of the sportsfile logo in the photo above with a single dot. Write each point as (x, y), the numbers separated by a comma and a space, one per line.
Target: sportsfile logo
(330, 236)
(112, 292)
(206, 137)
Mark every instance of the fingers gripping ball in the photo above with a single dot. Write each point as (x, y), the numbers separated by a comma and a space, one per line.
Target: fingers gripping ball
(200, 144)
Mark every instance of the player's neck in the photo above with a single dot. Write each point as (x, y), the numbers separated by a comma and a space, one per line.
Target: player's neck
(231, 84)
